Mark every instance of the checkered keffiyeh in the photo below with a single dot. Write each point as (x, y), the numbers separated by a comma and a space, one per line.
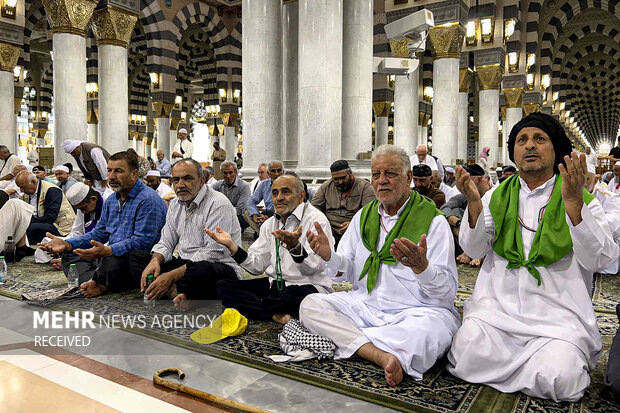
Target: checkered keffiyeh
(295, 337)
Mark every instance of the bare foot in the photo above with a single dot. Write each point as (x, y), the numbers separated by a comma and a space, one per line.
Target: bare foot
(391, 367)
(91, 289)
(476, 262)
(463, 259)
(56, 264)
(282, 318)
(182, 303)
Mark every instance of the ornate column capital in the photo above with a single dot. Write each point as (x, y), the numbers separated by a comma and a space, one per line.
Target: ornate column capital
(423, 119)
(446, 40)
(162, 109)
(69, 16)
(465, 78)
(113, 26)
(399, 48)
(514, 97)
(229, 119)
(9, 54)
(490, 76)
(213, 130)
(382, 108)
(174, 123)
(529, 108)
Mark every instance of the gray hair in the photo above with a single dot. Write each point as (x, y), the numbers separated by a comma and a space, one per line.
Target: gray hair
(226, 164)
(299, 184)
(393, 150)
(189, 161)
(31, 177)
(208, 170)
(4, 149)
(272, 162)
(261, 165)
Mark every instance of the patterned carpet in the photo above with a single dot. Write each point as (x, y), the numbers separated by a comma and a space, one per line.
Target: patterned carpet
(438, 392)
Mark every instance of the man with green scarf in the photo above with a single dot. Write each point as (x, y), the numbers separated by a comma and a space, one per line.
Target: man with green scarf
(529, 325)
(398, 253)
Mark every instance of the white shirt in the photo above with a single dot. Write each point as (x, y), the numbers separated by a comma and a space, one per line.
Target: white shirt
(102, 165)
(614, 185)
(611, 205)
(163, 189)
(510, 300)
(6, 166)
(448, 191)
(429, 160)
(212, 181)
(78, 225)
(188, 148)
(12, 185)
(262, 253)
(592, 159)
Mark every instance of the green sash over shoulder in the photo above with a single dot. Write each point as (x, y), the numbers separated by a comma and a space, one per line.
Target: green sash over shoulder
(413, 222)
(552, 240)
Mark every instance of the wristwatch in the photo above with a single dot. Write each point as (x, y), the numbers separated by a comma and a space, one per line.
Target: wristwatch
(457, 223)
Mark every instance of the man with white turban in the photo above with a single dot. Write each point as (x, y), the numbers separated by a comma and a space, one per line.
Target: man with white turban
(183, 148)
(92, 160)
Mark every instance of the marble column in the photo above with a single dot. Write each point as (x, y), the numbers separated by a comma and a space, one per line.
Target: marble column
(93, 133)
(113, 28)
(69, 22)
(230, 137)
(320, 86)
(514, 113)
(290, 50)
(162, 111)
(446, 41)
(262, 82)
(173, 134)
(465, 78)
(9, 53)
(357, 78)
(489, 77)
(382, 110)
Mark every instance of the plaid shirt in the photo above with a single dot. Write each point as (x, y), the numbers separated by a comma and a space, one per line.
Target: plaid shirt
(133, 225)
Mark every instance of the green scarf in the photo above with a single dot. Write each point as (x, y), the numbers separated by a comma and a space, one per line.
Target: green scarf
(413, 222)
(552, 240)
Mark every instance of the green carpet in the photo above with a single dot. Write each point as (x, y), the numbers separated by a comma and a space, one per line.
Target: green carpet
(437, 392)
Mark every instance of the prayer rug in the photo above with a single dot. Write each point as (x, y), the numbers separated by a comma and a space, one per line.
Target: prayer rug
(437, 392)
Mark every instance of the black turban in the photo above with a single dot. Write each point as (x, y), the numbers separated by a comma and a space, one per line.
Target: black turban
(339, 165)
(38, 168)
(474, 170)
(552, 127)
(421, 170)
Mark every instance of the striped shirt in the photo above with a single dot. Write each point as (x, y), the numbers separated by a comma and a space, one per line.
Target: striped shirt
(127, 226)
(238, 193)
(184, 229)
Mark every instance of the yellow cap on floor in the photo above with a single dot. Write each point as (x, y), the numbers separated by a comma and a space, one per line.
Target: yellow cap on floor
(231, 323)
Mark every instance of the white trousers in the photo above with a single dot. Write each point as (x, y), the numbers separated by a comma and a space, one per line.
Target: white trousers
(15, 217)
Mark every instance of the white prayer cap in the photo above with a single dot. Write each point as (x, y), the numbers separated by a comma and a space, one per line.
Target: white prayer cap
(183, 130)
(61, 168)
(617, 163)
(29, 168)
(153, 172)
(450, 169)
(70, 145)
(591, 168)
(499, 169)
(77, 193)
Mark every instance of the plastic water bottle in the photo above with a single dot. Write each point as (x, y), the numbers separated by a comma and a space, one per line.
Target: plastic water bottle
(72, 276)
(147, 302)
(9, 250)
(2, 270)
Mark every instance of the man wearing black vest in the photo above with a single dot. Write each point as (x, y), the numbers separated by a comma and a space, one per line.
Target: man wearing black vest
(92, 160)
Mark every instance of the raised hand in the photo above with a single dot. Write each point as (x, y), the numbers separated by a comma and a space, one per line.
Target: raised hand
(319, 242)
(466, 186)
(56, 246)
(291, 239)
(223, 238)
(573, 181)
(97, 251)
(410, 254)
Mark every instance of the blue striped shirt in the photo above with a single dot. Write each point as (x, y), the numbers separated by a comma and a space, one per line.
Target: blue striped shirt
(133, 225)
(262, 193)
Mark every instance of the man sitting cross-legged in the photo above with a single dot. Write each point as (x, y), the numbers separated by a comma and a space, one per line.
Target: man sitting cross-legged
(131, 220)
(529, 325)
(281, 251)
(201, 262)
(399, 255)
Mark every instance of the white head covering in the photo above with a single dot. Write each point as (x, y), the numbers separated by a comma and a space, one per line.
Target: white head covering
(61, 168)
(153, 172)
(77, 193)
(450, 169)
(183, 130)
(70, 145)
(617, 163)
(591, 168)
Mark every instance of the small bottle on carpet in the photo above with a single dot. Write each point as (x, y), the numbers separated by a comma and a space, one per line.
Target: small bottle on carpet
(9, 250)
(72, 276)
(147, 302)
(2, 270)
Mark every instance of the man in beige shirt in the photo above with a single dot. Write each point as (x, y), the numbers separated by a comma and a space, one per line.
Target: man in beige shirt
(341, 197)
(218, 156)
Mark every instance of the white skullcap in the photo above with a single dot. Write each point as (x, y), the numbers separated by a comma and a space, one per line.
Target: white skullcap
(183, 130)
(61, 168)
(77, 193)
(29, 168)
(617, 163)
(70, 145)
(498, 169)
(153, 172)
(450, 169)
(591, 168)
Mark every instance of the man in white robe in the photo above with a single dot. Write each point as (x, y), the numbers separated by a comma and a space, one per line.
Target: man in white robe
(520, 332)
(15, 216)
(406, 321)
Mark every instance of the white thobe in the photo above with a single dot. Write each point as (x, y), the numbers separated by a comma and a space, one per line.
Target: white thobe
(611, 205)
(592, 159)
(212, 181)
(517, 335)
(614, 185)
(429, 160)
(15, 216)
(409, 315)
(163, 189)
(188, 149)
(448, 191)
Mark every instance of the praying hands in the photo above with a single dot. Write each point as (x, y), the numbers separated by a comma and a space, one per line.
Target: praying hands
(410, 254)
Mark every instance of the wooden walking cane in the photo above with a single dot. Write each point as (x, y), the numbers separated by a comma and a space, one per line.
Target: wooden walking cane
(210, 398)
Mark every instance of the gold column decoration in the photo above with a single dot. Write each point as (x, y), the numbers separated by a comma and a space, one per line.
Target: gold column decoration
(446, 40)
(490, 76)
(465, 77)
(174, 123)
(503, 110)
(382, 108)
(220, 129)
(149, 140)
(212, 130)
(9, 53)
(423, 119)
(139, 136)
(17, 104)
(162, 110)
(399, 48)
(514, 97)
(41, 133)
(92, 117)
(530, 108)
(69, 16)
(230, 119)
(113, 26)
